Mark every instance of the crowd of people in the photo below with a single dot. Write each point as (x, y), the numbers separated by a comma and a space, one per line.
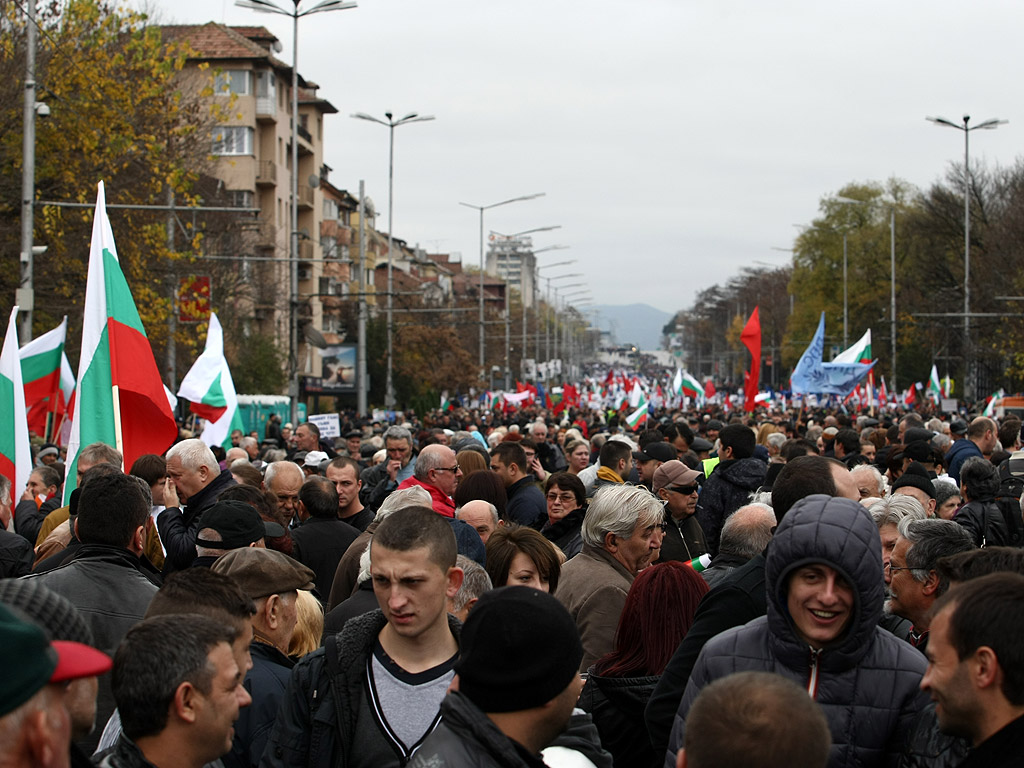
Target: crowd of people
(792, 588)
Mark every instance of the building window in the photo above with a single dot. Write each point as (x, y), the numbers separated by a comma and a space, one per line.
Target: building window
(330, 247)
(346, 218)
(232, 140)
(330, 209)
(232, 81)
(240, 198)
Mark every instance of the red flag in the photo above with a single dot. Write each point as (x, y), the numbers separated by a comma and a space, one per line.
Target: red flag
(709, 389)
(751, 338)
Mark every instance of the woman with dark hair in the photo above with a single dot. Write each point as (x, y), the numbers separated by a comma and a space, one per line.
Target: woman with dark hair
(519, 556)
(566, 498)
(657, 615)
(485, 486)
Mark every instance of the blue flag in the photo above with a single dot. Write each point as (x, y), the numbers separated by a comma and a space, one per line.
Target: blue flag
(813, 376)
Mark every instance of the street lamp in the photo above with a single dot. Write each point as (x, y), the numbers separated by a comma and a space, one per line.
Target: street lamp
(391, 124)
(550, 319)
(265, 6)
(483, 208)
(987, 125)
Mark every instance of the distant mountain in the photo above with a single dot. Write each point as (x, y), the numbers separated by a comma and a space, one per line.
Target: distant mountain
(638, 324)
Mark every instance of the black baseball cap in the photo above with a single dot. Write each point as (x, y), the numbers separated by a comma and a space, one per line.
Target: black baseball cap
(658, 451)
(238, 524)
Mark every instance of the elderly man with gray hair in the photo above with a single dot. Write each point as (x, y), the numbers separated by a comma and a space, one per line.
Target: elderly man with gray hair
(622, 533)
(382, 479)
(745, 534)
(198, 481)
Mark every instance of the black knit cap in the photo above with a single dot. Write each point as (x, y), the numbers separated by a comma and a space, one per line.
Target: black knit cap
(915, 476)
(501, 669)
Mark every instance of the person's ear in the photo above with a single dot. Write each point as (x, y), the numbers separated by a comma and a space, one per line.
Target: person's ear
(185, 703)
(138, 544)
(611, 542)
(931, 584)
(42, 740)
(985, 669)
(454, 578)
(272, 611)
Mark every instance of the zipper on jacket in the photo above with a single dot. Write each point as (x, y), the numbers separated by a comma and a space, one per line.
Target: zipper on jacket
(812, 682)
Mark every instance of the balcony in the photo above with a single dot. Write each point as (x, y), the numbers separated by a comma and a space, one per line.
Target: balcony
(305, 252)
(266, 173)
(305, 196)
(266, 109)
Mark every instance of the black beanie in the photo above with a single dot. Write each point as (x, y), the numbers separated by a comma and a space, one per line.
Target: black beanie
(520, 649)
(915, 476)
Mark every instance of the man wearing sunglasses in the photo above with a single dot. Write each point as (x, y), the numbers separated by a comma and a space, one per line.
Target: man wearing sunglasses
(438, 472)
(677, 485)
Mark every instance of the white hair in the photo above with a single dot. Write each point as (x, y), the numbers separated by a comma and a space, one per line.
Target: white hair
(276, 467)
(414, 496)
(620, 509)
(193, 454)
(876, 477)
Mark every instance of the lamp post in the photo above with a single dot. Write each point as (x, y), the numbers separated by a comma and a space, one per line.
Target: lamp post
(526, 244)
(556, 329)
(987, 125)
(553, 309)
(265, 6)
(391, 124)
(536, 307)
(481, 209)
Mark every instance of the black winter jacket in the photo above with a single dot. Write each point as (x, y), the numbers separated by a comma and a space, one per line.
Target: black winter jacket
(567, 533)
(617, 706)
(739, 598)
(928, 747)
(466, 737)
(866, 681)
(307, 733)
(983, 519)
(178, 528)
(16, 555)
(267, 683)
(111, 588)
(727, 489)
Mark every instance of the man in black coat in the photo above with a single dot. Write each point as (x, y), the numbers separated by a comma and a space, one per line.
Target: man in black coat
(321, 539)
(197, 479)
(729, 486)
(509, 702)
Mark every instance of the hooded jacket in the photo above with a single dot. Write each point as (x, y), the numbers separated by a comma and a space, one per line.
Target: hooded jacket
(727, 489)
(866, 681)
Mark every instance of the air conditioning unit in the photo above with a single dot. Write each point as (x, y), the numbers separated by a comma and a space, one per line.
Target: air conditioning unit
(305, 273)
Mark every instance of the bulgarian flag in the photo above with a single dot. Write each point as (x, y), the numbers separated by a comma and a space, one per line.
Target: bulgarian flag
(693, 388)
(120, 400)
(209, 387)
(639, 416)
(48, 380)
(677, 383)
(15, 453)
(934, 386)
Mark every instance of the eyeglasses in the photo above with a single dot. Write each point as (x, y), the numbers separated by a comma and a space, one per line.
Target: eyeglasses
(565, 498)
(894, 568)
(686, 490)
(453, 470)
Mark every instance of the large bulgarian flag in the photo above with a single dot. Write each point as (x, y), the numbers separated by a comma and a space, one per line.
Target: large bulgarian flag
(121, 399)
(639, 416)
(48, 380)
(15, 453)
(209, 386)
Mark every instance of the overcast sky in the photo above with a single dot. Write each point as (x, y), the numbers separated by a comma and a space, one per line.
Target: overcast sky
(676, 140)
